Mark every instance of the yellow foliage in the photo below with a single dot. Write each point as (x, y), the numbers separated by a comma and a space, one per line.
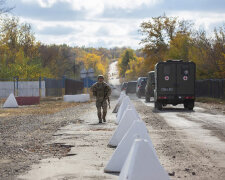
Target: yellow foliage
(94, 61)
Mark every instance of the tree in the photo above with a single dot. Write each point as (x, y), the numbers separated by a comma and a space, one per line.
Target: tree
(123, 63)
(4, 8)
(159, 33)
(179, 47)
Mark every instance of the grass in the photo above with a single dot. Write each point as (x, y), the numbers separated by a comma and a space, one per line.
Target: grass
(46, 106)
(210, 100)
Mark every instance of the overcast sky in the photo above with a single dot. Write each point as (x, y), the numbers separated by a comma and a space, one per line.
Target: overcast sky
(109, 23)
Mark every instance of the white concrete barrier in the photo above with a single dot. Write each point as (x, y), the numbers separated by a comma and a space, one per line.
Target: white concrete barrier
(137, 130)
(122, 108)
(77, 98)
(142, 163)
(128, 118)
(130, 106)
(119, 102)
(11, 102)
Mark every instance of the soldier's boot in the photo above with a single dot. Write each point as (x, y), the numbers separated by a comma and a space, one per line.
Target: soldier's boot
(104, 116)
(99, 117)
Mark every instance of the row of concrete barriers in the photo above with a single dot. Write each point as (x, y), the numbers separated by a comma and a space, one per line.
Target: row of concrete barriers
(135, 157)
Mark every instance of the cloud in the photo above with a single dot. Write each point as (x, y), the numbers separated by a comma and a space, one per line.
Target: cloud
(95, 33)
(95, 7)
(56, 30)
(109, 23)
(204, 19)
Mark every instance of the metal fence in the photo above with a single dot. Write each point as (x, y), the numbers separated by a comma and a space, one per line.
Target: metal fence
(214, 88)
(41, 87)
(59, 87)
(53, 87)
(73, 87)
(21, 87)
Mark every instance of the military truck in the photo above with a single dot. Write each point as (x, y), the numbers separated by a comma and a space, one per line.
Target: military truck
(150, 86)
(131, 87)
(140, 87)
(174, 84)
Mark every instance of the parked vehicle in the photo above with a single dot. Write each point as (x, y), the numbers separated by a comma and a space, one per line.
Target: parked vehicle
(131, 87)
(124, 86)
(175, 84)
(150, 86)
(140, 87)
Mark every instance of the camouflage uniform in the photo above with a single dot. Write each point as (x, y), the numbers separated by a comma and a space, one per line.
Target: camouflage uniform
(101, 91)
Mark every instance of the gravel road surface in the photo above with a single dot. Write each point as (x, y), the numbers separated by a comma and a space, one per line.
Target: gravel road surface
(70, 144)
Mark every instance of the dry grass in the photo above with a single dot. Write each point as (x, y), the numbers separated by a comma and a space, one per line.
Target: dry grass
(211, 100)
(46, 106)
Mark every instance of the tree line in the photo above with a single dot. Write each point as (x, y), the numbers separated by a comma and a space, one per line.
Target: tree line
(21, 55)
(170, 38)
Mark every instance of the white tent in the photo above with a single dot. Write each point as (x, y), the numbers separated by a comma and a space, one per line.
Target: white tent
(11, 102)
(128, 118)
(77, 98)
(142, 163)
(137, 130)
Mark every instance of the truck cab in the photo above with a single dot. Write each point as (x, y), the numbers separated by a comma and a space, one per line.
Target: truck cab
(174, 83)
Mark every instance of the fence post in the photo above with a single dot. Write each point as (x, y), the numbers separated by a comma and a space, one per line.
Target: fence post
(14, 86)
(46, 92)
(63, 85)
(17, 86)
(40, 87)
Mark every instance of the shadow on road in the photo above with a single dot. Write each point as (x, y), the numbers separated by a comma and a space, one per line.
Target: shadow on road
(172, 109)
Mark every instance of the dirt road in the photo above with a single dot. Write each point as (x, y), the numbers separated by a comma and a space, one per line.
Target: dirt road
(70, 144)
(89, 153)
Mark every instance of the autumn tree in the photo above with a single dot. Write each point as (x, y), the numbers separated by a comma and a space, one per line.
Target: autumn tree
(123, 63)
(19, 54)
(158, 32)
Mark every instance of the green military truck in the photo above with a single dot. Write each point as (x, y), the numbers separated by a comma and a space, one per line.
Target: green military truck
(150, 86)
(174, 84)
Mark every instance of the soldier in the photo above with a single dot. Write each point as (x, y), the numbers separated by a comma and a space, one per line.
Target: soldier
(101, 91)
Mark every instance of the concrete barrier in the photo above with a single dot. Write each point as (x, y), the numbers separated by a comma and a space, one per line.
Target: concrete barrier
(77, 98)
(10, 102)
(127, 120)
(142, 163)
(137, 130)
(28, 100)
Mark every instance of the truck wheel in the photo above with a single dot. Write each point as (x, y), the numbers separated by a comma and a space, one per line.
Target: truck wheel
(138, 95)
(147, 99)
(190, 105)
(158, 105)
(185, 105)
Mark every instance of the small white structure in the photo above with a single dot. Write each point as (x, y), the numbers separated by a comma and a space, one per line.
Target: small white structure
(11, 102)
(137, 130)
(142, 163)
(128, 118)
(77, 98)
